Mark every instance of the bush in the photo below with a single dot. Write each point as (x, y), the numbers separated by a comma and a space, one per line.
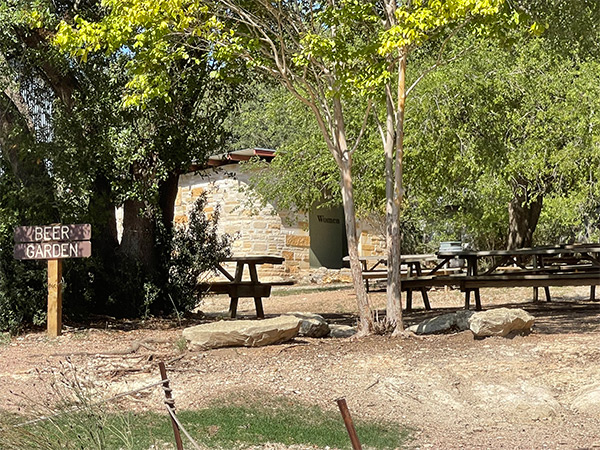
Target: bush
(195, 250)
(23, 291)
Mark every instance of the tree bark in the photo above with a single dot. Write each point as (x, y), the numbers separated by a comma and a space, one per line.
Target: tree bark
(362, 298)
(167, 194)
(137, 242)
(394, 197)
(523, 216)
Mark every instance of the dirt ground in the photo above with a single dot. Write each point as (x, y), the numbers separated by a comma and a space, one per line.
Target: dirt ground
(531, 392)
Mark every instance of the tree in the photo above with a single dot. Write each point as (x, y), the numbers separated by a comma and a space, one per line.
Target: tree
(316, 51)
(509, 127)
(92, 155)
(324, 48)
(29, 70)
(403, 28)
(176, 111)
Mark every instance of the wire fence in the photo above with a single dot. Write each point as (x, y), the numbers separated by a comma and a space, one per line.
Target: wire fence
(169, 403)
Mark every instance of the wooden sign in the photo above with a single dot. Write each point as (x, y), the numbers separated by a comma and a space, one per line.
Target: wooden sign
(58, 233)
(54, 243)
(53, 250)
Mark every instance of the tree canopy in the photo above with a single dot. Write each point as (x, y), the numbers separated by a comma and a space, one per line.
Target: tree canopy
(489, 135)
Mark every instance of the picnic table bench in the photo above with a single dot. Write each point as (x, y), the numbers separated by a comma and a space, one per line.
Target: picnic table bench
(550, 266)
(375, 268)
(540, 267)
(237, 288)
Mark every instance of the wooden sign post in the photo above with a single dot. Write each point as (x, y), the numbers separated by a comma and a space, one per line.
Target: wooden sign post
(54, 243)
(54, 297)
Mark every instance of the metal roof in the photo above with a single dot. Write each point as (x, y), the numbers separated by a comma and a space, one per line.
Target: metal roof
(236, 156)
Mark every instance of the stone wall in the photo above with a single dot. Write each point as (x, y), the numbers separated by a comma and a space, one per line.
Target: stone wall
(371, 240)
(260, 229)
(257, 229)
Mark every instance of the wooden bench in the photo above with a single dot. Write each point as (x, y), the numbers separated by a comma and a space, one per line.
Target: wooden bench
(536, 279)
(242, 289)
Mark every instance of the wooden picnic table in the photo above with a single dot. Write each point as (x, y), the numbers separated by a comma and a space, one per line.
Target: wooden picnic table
(371, 269)
(541, 272)
(236, 287)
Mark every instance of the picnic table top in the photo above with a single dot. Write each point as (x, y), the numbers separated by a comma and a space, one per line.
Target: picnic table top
(256, 259)
(403, 258)
(545, 250)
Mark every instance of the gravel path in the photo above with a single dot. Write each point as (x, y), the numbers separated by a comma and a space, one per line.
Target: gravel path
(539, 391)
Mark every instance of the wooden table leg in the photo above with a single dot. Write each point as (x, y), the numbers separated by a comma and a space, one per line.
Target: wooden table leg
(233, 304)
(423, 289)
(260, 314)
(477, 300)
(593, 293)
(259, 308)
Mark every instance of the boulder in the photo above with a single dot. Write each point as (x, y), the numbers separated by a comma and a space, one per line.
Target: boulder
(446, 323)
(500, 322)
(313, 325)
(341, 331)
(588, 400)
(524, 400)
(238, 333)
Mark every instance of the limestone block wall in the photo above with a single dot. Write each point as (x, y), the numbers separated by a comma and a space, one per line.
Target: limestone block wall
(371, 236)
(257, 229)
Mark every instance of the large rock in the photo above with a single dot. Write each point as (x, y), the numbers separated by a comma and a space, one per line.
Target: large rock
(313, 325)
(588, 400)
(524, 400)
(500, 322)
(341, 331)
(458, 321)
(238, 333)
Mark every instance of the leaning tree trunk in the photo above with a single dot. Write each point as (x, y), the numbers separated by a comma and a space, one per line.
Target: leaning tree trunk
(343, 159)
(362, 299)
(523, 216)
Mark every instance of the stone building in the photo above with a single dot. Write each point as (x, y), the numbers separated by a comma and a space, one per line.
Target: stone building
(307, 241)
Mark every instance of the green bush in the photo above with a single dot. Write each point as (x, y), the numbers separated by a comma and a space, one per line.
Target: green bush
(195, 250)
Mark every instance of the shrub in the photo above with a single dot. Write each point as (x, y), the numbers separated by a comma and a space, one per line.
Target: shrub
(195, 250)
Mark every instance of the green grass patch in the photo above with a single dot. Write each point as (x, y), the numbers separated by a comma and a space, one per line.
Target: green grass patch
(225, 424)
(280, 420)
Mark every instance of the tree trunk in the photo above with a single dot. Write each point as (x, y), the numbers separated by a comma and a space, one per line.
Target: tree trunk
(343, 159)
(394, 197)
(138, 236)
(393, 288)
(102, 212)
(362, 299)
(523, 216)
(167, 194)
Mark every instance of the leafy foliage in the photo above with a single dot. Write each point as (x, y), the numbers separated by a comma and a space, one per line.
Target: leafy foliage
(95, 154)
(500, 123)
(195, 250)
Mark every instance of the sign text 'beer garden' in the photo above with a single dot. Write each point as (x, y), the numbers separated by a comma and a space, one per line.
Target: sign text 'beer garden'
(53, 241)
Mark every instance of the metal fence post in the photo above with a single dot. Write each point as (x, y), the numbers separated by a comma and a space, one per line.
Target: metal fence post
(170, 402)
(349, 424)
